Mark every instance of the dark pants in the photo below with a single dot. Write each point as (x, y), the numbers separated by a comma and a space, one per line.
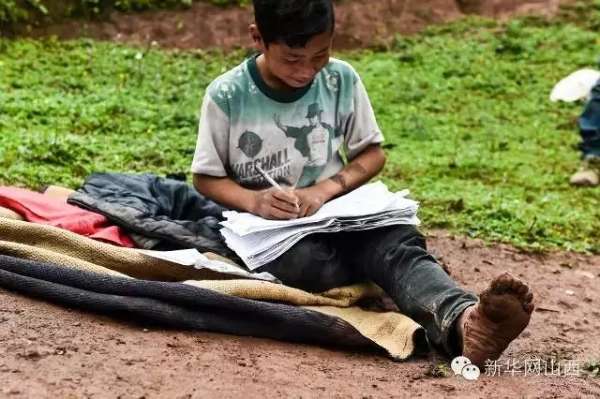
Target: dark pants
(396, 259)
(589, 126)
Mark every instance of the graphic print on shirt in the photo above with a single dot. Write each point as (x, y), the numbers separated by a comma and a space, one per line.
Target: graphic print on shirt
(276, 163)
(250, 144)
(313, 141)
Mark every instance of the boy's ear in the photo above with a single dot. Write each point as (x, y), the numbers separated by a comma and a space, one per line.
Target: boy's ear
(256, 37)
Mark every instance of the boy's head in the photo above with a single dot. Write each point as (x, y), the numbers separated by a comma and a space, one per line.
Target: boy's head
(295, 37)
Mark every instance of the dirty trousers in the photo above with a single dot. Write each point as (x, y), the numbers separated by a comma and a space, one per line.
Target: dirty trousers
(393, 257)
(589, 125)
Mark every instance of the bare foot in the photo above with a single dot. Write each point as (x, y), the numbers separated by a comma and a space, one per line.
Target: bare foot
(502, 313)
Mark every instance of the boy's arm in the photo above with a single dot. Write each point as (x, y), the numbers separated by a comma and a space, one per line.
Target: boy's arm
(210, 172)
(360, 170)
(269, 204)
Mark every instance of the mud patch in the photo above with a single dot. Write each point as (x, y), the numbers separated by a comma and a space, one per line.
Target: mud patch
(48, 351)
(360, 23)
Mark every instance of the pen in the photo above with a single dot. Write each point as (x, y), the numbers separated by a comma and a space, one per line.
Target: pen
(271, 181)
(269, 178)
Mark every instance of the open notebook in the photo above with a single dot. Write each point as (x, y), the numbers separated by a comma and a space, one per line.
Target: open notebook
(258, 241)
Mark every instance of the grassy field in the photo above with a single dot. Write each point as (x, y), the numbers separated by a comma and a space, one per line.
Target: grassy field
(464, 107)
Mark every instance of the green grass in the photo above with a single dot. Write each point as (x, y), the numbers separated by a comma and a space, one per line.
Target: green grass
(464, 108)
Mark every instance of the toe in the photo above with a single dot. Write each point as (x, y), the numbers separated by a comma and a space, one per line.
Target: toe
(529, 297)
(502, 283)
(520, 288)
(516, 283)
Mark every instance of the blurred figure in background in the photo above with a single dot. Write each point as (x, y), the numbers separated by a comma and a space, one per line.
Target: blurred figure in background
(589, 128)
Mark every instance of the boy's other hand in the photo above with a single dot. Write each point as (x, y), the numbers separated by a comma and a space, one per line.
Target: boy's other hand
(275, 204)
(311, 200)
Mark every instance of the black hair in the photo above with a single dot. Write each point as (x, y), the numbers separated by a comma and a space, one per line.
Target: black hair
(293, 22)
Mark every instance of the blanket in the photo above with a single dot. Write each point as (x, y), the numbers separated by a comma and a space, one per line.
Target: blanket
(40, 208)
(68, 269)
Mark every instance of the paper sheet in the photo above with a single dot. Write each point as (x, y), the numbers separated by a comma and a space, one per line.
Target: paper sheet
(258, 241)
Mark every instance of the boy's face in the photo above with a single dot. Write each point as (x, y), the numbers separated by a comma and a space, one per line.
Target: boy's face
(294, 67)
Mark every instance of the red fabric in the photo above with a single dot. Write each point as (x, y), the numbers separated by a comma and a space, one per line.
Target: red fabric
(39, 208)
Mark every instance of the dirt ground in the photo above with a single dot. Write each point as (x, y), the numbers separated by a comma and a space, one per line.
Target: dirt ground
(359, 23)
(49, 351)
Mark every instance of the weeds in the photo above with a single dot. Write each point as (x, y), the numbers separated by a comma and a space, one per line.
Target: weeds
(464, 108)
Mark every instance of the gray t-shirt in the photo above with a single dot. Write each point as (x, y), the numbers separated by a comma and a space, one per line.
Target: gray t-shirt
(297, 138)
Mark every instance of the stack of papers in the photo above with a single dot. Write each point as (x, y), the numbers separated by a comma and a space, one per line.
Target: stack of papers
(258, 241)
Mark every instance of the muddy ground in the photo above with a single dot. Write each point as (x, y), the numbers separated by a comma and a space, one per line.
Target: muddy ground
(359, 23)
(49, 351)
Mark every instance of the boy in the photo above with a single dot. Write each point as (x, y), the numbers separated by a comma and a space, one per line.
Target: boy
(291, 110)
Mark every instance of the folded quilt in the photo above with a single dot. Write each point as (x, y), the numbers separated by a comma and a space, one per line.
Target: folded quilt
(10, 214)
(72, 270)
(49, 244)
(174, 305)
(39, 208)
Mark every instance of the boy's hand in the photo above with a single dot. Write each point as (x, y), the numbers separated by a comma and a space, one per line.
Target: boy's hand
(275, 204)
(311, 200)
